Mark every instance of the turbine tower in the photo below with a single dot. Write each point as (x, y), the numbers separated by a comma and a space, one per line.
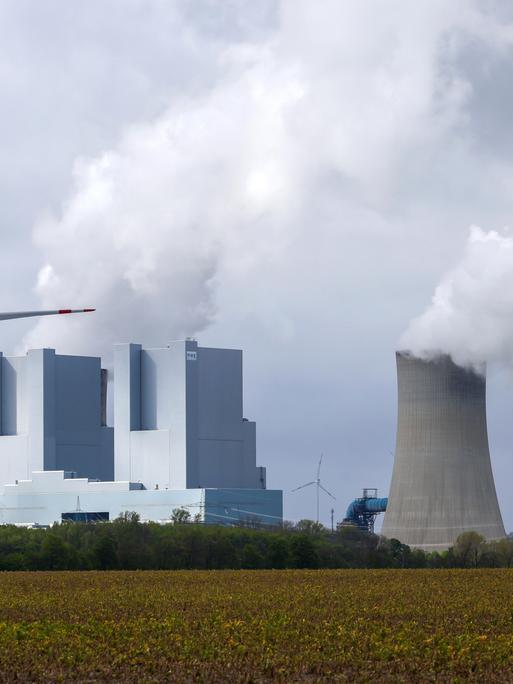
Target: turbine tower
(318, 486)
(442, 482)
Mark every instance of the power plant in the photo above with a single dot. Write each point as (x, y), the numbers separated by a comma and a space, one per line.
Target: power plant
(179, 440)
(442, 481)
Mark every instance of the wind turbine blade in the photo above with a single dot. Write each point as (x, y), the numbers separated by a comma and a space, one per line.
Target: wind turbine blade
(31, 314)
(302, 486)
(319, 467)
(325, 490)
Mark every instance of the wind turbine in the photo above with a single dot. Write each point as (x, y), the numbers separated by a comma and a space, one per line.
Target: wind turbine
(30, 314)
(318, 485)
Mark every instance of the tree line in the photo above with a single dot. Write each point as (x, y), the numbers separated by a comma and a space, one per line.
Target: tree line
(128, 544)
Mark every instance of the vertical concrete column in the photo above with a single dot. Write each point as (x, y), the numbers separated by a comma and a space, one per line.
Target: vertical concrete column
(127, 404)
(104, 383)
(175, 373)
(252, 474)
(191, 411)
(41, 410)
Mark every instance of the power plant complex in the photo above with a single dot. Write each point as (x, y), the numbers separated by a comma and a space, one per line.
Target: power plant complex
(180, 440)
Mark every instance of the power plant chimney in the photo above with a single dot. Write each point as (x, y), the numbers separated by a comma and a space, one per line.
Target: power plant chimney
(442, 482)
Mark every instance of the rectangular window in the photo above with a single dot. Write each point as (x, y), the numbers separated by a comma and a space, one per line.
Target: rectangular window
(85, 516)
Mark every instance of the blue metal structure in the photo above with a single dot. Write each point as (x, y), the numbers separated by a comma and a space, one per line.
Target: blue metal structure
(362, 512)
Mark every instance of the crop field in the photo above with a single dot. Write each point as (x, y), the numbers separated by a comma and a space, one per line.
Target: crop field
(257, 626)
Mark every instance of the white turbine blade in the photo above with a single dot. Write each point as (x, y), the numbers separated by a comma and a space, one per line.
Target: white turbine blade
(305, 485)
(319, 467)
(31, 314)
(325, 490)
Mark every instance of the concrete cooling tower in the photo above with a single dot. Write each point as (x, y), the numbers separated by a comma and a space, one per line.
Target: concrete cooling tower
(442, 482)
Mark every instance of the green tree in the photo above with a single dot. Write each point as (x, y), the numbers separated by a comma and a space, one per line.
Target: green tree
(221, 552)
(400, 553)
(310, 527)
(105, 552)
(128, 517)
(133, 542)
(418, 558)
(251, 557)
(468, 549)
(303, 551)
(56, 554)
(278, 554)
(504, 551)
(180, 516)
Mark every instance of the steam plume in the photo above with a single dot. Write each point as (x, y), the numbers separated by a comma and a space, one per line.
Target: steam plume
(150, 224)
(316, 120)
(471, 313)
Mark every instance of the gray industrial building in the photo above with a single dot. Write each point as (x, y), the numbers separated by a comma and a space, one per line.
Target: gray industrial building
(179, 438)
(178, 418)
(442, 482)
(52, 416)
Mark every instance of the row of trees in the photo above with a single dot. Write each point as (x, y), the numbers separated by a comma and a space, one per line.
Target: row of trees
(126, 543)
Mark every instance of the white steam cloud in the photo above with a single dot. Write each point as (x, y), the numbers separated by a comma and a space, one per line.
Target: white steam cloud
(150, 224)
(321, 117)
(471, 313)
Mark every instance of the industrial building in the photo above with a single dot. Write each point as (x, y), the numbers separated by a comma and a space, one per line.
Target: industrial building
(442, 481)
(178, 418)
(179, 438)
(53, 416)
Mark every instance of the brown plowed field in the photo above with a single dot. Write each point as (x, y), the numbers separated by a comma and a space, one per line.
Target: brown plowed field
(257, 626)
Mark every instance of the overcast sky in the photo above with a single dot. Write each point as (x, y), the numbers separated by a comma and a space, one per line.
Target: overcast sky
(291, 178)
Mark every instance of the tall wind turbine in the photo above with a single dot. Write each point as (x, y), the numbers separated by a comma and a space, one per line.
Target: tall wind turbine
(318, 485)
(31, 314)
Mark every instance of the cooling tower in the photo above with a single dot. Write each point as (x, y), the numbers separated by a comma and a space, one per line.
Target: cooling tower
(442, 482)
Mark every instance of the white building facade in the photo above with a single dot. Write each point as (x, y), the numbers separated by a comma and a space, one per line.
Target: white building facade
(54, 496)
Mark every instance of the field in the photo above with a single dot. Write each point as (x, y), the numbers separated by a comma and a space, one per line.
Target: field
(257, 626)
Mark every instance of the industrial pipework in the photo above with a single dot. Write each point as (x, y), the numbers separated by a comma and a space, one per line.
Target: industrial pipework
(362, 512)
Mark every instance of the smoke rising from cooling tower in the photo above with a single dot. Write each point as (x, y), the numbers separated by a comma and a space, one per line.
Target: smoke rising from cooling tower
(471, 314)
